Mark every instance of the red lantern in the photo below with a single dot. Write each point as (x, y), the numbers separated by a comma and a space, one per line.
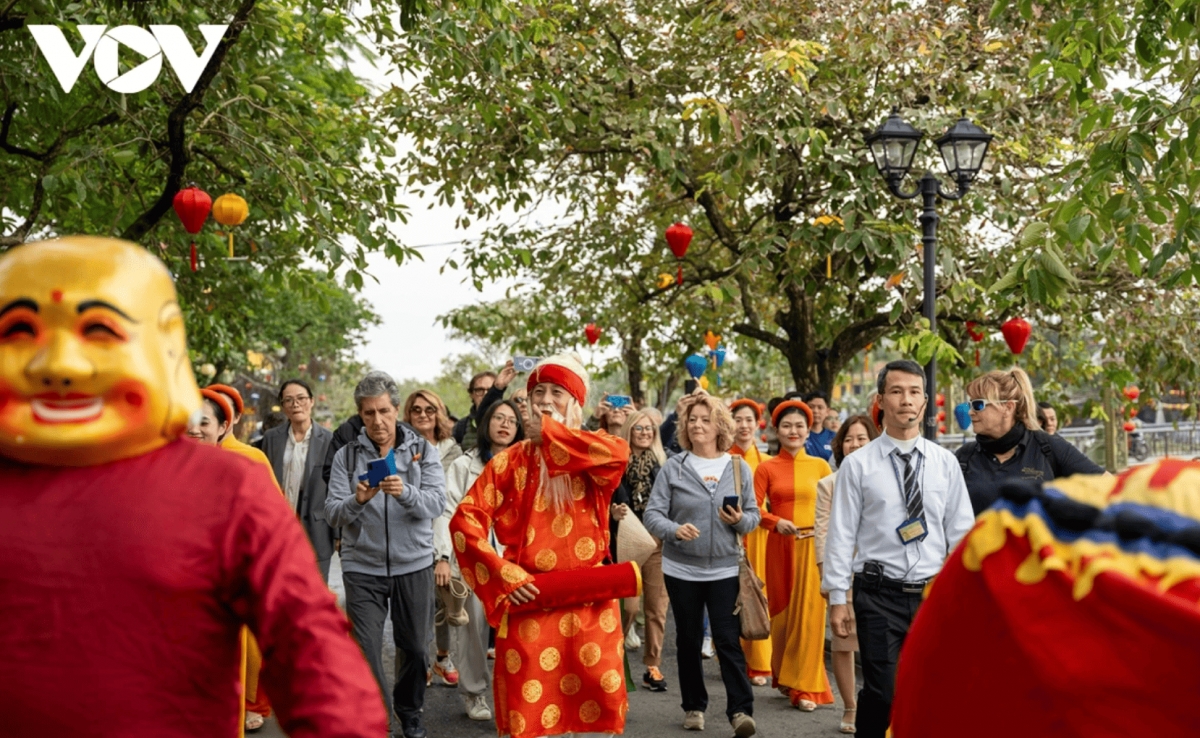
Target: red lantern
(941, 416)
(192, 205)
(976, 336)
(1129, 427)
(679, 237)
(1133, 412)
(592, 331)
(1016, 334)
(941, 401)
(942, 429)
(1132, 393)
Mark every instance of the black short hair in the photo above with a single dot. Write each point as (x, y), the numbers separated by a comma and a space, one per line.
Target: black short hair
(218, 411)
(300, 382)
(908, 366)
(1045, 405)
(773, 403)
(814, 395)
(794, 395)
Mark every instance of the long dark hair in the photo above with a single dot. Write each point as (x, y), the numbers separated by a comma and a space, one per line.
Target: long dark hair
(839, 441)
(483, 434)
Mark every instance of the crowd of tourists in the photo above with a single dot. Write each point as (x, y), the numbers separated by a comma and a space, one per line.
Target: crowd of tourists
(432, 547)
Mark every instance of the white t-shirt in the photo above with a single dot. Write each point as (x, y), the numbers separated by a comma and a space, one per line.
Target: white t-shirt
(711, 471)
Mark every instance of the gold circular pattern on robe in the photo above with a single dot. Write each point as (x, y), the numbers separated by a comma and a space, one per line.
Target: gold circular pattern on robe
(489, 495)
(509, 517)
(481, 573)
(550, 716)
(550, 659)
(531, 691)
(570, 684)
(585, 549)
(611, 681)
(562, 525)
(499, 498)
(460, 542)
(599, 453)
(608, 621)
(530, 534)
(624, 709)
(600, 481)
(512, 573)
(540, 503)
(529, 630)
(559, 454)
(500, 463)
(589, 654)
(471, 518)
(589, 712)
(467, 500)
(520, 477)
(486, 547)
(516, 722)
(512, 661)
(578, 488)
(469, 578)
(621, 647)
(545, 560)
(569, 625)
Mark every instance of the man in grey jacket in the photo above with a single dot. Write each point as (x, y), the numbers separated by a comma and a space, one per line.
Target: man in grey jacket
(387, 542)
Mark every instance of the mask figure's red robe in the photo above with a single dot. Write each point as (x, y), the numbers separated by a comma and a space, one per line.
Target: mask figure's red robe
(561, 670)
(1069, 613)
(123, 587)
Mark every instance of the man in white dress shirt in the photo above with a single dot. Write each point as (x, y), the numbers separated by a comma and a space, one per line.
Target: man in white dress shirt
(900, 506)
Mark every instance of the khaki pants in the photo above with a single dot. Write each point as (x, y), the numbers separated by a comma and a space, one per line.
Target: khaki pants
(654, 594)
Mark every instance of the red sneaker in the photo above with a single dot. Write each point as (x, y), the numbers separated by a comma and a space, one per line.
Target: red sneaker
(444, 668)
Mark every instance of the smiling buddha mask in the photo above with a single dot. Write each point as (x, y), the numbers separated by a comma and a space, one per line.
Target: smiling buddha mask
(93, 358)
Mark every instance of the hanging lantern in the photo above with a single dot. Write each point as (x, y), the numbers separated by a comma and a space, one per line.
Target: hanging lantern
(711, 340)
(942, 429)
(895, 280)
(1133, 412)
(679, 237)
(592, 331)
(719, 358)
(941, 416)
(940, 399)
(976, 336)
(1131, 393)
(1129, 426)
(230, 210)
(1016, 334)
(192, 205)
(322, 398)
(703, 382)
(962, 415)
(208, 370)
(664, 281)
(695, 364)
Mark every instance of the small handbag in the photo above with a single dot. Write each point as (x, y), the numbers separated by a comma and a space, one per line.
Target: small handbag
(634, 542)
(751, 608)
(454, 602)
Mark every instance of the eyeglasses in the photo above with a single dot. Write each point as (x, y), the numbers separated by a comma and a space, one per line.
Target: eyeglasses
(642, 429)
(478, 390)
(297, 400)
(505, 419)
(520, 400)
(418, 410)
(978, 406)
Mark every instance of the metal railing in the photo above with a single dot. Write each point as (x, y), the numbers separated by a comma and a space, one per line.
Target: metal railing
(1148, 441)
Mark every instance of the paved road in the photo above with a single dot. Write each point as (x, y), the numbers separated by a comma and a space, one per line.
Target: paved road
(650, 714)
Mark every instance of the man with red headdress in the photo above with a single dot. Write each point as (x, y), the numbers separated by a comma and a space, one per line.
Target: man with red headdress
(132, 557)
(558, 670)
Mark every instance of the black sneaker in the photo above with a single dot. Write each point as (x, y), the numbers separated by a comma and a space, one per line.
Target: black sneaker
(653, 680)
(413, 728)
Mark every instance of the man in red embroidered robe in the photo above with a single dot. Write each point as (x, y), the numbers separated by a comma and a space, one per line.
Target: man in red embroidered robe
(561, 670)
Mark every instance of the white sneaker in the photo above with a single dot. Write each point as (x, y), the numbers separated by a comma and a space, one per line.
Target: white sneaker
(477, 708)
(707, 650)
(632, 641)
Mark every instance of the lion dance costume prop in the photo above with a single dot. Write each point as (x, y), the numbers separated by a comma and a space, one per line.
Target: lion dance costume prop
(132, 556)
(1068, 611)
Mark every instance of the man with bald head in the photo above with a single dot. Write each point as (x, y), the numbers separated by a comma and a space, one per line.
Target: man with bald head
(132, 556)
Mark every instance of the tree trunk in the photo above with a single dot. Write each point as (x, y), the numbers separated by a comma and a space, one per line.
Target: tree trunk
(631, 353)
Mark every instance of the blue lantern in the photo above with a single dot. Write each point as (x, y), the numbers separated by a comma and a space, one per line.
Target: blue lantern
(696, 364)
(962, 415)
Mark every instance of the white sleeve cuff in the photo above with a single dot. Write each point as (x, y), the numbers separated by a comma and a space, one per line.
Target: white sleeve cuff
(837, 597)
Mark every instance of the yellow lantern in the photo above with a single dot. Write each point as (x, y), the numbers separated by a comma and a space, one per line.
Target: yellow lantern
(230, 210)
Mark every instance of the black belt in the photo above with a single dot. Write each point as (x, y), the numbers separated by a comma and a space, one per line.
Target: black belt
(893, 585)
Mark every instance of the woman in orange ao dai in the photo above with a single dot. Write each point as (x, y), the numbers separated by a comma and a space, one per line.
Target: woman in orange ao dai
(746, 418)
(786, 487)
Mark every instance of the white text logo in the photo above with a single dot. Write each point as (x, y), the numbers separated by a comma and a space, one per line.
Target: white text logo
(102, 47)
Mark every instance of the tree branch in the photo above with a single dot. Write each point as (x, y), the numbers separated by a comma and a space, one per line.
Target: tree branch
(219, 166)
(177, 128)
(758, 334)
(5, 125)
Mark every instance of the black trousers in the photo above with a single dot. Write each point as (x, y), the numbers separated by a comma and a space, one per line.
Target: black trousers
(688, 602)
(884, 617)
(411, 597)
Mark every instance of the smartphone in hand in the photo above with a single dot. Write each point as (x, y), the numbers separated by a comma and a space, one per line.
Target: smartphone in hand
(524, 364)
(733, 502)
(618, 401)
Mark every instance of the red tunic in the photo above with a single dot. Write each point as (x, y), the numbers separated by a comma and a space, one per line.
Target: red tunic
(557, 671)
(123, 587)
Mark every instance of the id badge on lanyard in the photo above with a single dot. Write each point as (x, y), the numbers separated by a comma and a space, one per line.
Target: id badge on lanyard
(912, 530)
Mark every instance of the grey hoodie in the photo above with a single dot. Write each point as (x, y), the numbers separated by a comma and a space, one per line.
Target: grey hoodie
(680, 496)
(388, 536)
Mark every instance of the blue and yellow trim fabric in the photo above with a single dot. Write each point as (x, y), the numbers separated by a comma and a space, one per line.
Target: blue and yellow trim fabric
(1069, 610)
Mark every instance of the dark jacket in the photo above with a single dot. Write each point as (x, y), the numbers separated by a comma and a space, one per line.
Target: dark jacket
(310, 507)
(345, 433)
(1040, 457)
(466, 429)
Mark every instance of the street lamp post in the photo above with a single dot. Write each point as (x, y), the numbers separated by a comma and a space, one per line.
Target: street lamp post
(963, 149)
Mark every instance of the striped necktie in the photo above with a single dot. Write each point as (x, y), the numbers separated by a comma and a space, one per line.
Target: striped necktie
(912, 490)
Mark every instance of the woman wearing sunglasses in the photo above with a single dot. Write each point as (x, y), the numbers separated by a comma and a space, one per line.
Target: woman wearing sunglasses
(1009, 444)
